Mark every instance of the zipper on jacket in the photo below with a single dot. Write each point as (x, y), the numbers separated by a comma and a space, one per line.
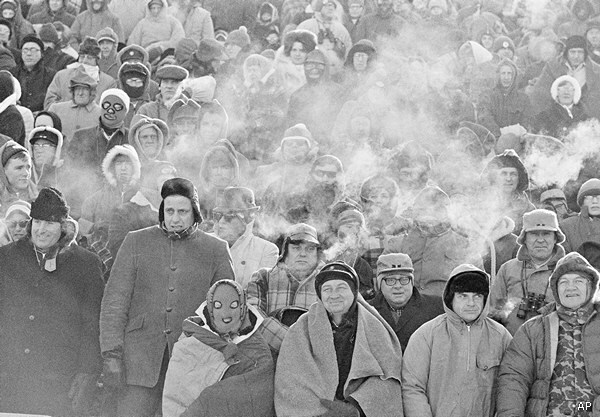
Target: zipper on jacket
(469, 347)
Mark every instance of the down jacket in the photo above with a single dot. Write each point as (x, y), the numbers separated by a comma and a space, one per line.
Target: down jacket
(239, 373)
(449, 368)
(526, 370)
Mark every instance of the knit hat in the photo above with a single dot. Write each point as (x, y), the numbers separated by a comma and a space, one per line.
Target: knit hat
(574, 263)
(117, 92)
(18, 206)
(503, 42)
(337, 270)
(466, 278)
(239, 37)
(540, 219)
(590, 187)
(11, 148)
(50, 205)
(510, 159)
(351, 216)
(208, 50)
(107, 34)
(48, 33)
(185, 188)
(172, 72)
(89, 46)
(562, 79)
(32, 38)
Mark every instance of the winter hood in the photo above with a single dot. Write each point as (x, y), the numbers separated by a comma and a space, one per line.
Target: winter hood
(134, 135)
(109, 159)
(480, 279)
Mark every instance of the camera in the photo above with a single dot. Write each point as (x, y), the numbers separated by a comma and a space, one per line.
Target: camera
(531, 304)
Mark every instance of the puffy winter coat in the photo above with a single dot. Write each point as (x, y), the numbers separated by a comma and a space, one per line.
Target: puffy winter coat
(527, 367)
(89, 22)
(164, 31)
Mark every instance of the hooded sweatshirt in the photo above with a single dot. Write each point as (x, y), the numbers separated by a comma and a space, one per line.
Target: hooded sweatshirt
(449, 367)
(163, 31)
(90, 22)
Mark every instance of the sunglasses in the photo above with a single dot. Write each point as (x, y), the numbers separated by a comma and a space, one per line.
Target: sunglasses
(391, 281)
(21, 223)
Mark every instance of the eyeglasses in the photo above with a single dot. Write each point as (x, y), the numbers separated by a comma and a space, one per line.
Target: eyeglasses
(31, 50)
(322, 174)
(21, 223)
(592, 197)
(391, 281)
(217, 215)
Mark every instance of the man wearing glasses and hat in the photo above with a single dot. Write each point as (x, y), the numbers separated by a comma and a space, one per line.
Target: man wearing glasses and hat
(234, 222)
(398, 301)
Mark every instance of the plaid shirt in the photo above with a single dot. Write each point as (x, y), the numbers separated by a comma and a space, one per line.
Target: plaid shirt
(270, 290)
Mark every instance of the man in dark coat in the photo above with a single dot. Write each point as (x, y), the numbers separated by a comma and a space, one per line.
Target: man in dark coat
(398, 301)
(11, 121)
(160, 276)
(33, 73)
(50, 294)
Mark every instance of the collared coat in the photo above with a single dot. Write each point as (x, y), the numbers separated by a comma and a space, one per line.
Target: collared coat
(74, 117)
(59, 89)
(155, 283)
(449, 368)
(526, 369)
(579, 229)
(49, 326)
(34, 84)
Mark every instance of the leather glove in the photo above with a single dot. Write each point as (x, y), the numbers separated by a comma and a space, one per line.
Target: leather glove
(339, 409)
(113, 373)
(82, 393)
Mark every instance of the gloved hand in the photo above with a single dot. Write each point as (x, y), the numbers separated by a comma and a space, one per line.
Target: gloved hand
(82, 393)
(339, 409)
(113, 373)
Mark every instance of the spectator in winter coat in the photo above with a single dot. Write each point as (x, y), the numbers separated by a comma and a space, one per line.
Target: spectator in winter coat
(196, 21)
(135, 363)
(328, 29)
(135, 53)
(148, 137)
(56, 286)
(170, 78)
(356, 11)
(134, 79)
(282, 292)
(45, 146)
(59, 89)
(585, 226)
(95, 18)
(53, 57)
(566, 110)
(382, 23)
(223, 323)
(397, 299)
(521, 286)
(574, 62)
(551, 356)
(81, 111)
(15, 175)
(157, 31)
(108, 41)
(33, 74)
(289, 61)
(130, 12)
(505, 105)
(11, 12)
(320, 356)
(234, 221)
(229, 15)
(11, 121)
(266, 23)
(54, 10)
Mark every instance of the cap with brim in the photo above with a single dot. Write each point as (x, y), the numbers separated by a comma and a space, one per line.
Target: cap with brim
(394, 262)
(303, 232)
(540, 220)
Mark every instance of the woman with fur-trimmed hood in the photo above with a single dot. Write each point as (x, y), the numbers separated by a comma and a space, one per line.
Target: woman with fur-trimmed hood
(121, 168)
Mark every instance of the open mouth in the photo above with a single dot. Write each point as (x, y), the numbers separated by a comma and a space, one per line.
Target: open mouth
(227, 320)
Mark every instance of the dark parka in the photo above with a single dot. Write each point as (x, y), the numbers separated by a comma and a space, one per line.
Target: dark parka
(502, 107)
(49, 325)
(155, 283)
(34, 84)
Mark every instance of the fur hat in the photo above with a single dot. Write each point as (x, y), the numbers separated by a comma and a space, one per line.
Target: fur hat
(10, 149)
(89, 46)
(208, 50)
(562, 79)
(337, 270)
(590, 187)
(50, 205)
(33, 38)
(236, 199)
(575, 41)
(574, 263)
(466, 278)
(239, 37)
(540, 219)
(48, 33)
(185, 188)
